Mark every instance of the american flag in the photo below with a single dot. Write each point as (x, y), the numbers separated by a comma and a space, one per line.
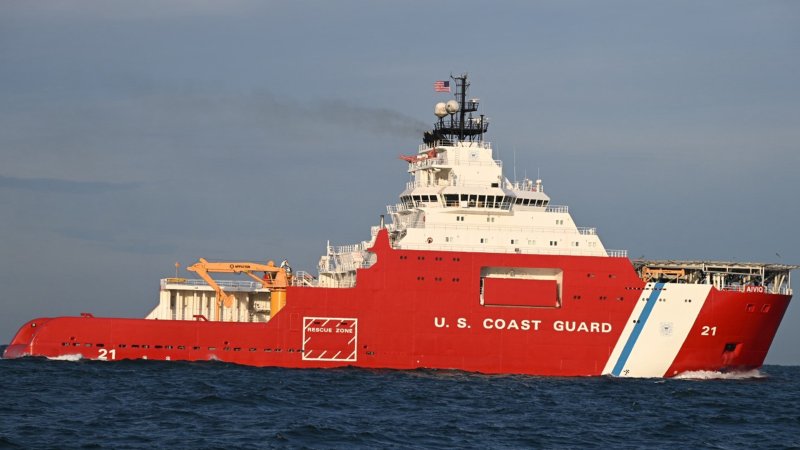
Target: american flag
(441, 86)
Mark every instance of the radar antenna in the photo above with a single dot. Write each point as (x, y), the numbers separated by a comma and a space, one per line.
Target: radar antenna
(461, 125)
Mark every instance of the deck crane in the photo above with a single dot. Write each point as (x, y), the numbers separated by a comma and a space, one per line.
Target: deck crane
(274, 278)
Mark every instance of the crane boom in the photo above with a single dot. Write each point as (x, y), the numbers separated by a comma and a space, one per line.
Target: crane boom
(274, 278)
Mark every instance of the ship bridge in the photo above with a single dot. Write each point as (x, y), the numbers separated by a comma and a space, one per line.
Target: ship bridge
(457, 198)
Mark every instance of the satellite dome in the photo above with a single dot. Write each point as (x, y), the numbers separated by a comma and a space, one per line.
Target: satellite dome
(440, 110)
(452, 107)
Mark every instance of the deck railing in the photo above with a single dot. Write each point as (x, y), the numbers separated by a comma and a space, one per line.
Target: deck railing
(227, 285)
(757, 289)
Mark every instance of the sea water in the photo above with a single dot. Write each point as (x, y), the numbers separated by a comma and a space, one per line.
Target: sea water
(150, 404)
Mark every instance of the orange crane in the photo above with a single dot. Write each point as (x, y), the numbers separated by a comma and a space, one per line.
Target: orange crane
(274, 278)
(654, 274)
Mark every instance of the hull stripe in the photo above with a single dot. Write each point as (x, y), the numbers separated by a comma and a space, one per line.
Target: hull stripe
(637, 329)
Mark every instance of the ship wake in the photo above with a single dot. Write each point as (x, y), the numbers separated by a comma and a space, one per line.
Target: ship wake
(74, 357)
(713, 375)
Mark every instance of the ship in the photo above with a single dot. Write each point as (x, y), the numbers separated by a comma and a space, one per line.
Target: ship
(469, 271)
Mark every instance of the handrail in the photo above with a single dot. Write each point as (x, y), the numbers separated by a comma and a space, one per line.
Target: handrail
(520, 250)
(422, 163)
(466, 144)
(229, 285)
(498, 227)
(766, 289)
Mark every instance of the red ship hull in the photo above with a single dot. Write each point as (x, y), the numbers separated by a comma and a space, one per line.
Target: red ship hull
(428, 309)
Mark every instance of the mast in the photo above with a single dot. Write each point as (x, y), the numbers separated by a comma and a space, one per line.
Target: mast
(461, 125)
(462, 87)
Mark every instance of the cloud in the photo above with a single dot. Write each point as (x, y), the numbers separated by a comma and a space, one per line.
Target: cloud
(157, 133)
(123, 241)
(63, 186)
(147, 9)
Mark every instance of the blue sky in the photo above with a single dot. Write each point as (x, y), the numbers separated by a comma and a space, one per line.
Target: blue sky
(137, 134)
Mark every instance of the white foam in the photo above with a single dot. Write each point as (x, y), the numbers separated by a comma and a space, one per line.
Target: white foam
(75, 357)
(711, 375)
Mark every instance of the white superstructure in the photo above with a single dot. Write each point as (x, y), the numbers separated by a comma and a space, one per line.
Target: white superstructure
(457, 199)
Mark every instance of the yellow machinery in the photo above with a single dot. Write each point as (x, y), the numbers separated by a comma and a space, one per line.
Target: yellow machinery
(653, 274)
(274, 278)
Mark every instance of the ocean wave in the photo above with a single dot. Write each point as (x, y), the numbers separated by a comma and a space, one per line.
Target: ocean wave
(156, 404)
(74, 357)
(711, 375)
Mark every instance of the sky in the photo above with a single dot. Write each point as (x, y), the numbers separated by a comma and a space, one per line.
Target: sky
(134, 135)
